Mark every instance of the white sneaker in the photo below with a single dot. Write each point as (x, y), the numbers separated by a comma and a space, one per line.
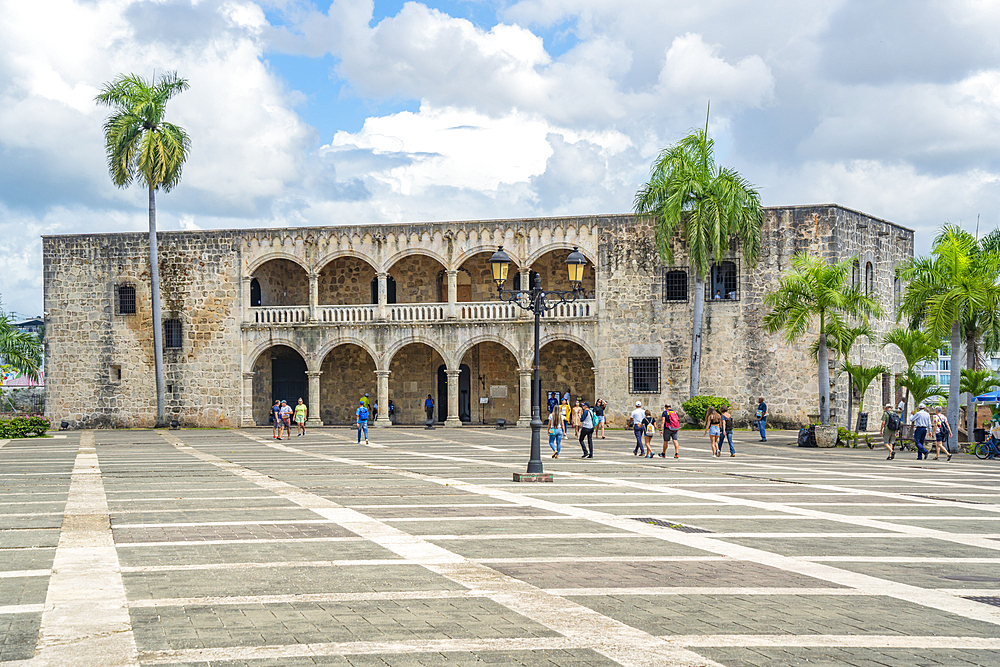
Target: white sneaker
(366, 442)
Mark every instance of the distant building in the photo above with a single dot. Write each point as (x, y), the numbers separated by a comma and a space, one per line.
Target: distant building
(35, 325)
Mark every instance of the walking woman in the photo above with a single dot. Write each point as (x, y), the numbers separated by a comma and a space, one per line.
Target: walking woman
(577, 413)
(555, 431)
(599, 416)
(648, 431)
(587, 431)
(565, 411)
(942, 435)
(301, 412)
(713, 427)
(727, 424)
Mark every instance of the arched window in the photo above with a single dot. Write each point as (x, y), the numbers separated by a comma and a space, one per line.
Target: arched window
(869, 279)
(897, 292)
(254, 292)
(856, 274)
(723, 283)
(125, 301)
(675, 285)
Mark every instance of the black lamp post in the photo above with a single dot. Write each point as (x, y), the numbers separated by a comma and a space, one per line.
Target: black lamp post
(538, 301)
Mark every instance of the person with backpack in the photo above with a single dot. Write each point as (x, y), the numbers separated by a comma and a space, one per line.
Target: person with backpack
(670, 423)
(275, 420)
(889, 430)
(587, 425)
(943, 434)
(727, 431)
(362, 421)
(713, 428)
(648, 431)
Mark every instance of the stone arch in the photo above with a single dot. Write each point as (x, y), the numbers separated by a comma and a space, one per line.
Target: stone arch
(491, 372)
(487, 248)
(566, 365)
(560, 245)
(570, 338)
(345, 252)
(345, 280)
(254, 355)
(492, 338)
(257, 262)
(283, 282)
(551, 267)
(279, 371)
(348, 374)
(482, 288)
(414, 366)
(391, 351)
(394, 259)
(348, 340)
(415, 274)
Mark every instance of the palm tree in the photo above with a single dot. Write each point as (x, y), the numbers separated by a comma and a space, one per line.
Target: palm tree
(975, 383)
(861, 378)
(920, 388)
(811, 289)
(20, 351)
(916, 346)
(706, 205)
(141, 145)
(958, 279)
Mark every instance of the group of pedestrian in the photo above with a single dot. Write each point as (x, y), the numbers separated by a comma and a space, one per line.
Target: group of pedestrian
(584, 418)
(924, 422)
(719, 428)
(282, 416)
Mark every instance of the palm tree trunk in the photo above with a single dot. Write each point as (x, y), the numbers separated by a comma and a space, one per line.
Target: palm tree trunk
(824, 381)
(850, 400)
(154, 273)
(699, 308)
(953, 384)
(972, 363)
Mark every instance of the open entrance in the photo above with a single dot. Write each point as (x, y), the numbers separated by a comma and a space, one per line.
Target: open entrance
(413, 377)
(493, 377)
(464, 406)
(279, 374)
(565, 367)
(348, 374)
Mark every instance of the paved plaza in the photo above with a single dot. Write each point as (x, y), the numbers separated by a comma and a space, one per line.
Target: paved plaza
(201, 547)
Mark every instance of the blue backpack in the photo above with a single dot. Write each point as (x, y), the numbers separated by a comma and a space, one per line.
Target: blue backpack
(363, 414)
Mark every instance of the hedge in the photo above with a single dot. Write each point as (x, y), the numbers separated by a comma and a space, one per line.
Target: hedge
(24, 427)
(697, 406)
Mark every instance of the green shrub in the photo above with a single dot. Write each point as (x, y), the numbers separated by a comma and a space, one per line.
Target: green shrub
(24, 427)
(697, 406)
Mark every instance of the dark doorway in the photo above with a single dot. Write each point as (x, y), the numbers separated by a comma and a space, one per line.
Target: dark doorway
(390, 290)
(288, 376)
(254, 292)
(464, 394)
(517, 280)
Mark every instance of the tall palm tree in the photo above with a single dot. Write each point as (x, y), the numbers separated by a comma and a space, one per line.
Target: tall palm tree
(142, 146)
(975, 383)
(706, 205)
(813, 289)
(958, 279)
(920, 388)
(916, 346)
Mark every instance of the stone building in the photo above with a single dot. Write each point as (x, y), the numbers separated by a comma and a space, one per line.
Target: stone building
(405, 311)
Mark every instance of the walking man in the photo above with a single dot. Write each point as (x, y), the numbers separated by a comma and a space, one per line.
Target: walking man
(635, 421)
(888, 430)
(762, 418)
(286, 419)
(362, 423)
(670, 423)
(921, 421)
(586, 426)
(276, 420)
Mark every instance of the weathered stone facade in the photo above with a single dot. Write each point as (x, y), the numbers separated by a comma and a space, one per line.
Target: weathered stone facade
(317, 332)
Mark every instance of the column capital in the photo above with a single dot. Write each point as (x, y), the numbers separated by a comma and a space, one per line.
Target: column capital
(451, 272)
(248, 375)
(313, 374)
(382, 274)
(450, 372)
(525, 371)
(247, 279)
(382, 373)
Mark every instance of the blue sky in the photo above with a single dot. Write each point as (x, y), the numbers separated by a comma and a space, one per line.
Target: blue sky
(353, 111)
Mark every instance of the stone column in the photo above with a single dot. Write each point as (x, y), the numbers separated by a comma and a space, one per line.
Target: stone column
(597, 388)
(247, 419)
(313, 419)
(452, 294)
(382, 396)
(245, 299)
(383, 296)
(525, 272)
(452, 419)
(313, 298)
(524, 392)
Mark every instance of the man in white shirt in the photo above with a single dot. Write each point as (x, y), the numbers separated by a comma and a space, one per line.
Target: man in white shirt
(921, 421)
(636, 418)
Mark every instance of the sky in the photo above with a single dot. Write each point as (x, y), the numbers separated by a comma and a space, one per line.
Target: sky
(354, 111)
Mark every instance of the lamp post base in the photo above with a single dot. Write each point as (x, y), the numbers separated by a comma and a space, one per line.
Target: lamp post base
(532, 477)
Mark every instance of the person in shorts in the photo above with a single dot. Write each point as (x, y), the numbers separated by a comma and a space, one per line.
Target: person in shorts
(301, 412)
(286, 419)
(942, 434)
(599, 416)
(670, 423)
(888, 434)
(276, 420)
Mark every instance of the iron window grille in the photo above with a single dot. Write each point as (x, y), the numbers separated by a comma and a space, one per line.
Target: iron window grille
(724, 281)
(171, 333)
(675, 285)
(125, 299)
(644, 375)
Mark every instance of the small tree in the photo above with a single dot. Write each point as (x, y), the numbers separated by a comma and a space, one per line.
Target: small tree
(861, 377)
(920, 388)
(841, 341)
(975, 383)
(916, 346)
(815, 290)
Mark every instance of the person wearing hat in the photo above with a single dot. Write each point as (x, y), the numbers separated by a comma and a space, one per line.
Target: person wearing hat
(921, 421)
(942, 433)
(889, 429)
(635, 421)
(362, 421)
(587, 424)
(276, 420)
(286, 419)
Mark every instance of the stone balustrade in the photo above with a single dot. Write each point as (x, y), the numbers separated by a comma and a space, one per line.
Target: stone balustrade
(279, 315)
(348, 314)
(418, 312)
(481, 311)
(488, 310)
(574, 309)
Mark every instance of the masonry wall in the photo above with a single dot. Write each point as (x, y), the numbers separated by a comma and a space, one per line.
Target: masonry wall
(282, 283)
(497, 367)
(86, 338)
(345, 281)
(414, 375)
(419, 280)
(348, 374)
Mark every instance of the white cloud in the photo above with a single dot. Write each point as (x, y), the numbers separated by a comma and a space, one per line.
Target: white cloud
(694, 69)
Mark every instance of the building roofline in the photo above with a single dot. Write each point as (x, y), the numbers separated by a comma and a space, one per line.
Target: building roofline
(516, 221)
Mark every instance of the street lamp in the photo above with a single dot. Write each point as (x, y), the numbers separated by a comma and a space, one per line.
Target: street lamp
(537, 301)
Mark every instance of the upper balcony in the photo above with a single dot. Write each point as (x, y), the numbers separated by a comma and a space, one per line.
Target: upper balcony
(416, 288)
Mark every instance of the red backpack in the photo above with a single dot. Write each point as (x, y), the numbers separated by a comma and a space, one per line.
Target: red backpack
(673, 421)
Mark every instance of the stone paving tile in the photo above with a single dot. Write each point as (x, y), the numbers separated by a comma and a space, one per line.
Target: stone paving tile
(640, 575)
(859, 657)
(26, 559)
(904, 509)
(541, 658)
(232, 532)
(902, 547)
(283, 580)
(934, 575)
(527, 526)
(23, 590)
(31, 507)
(212, 515)
(627, 549)
(19, 633)
(389, 513)
(735, 525)
(781, 615)
(382, 620)
(216, 503)
(196, 554)
(31, 522)
(38, 537)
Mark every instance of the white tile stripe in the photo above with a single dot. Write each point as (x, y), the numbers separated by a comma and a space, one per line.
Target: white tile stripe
(187, 567)
(622, 643)
(24, 573)
(3, 442)
(85, 607)
(873, 585)
(264, 540)
(839, 641)
(21, 609)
